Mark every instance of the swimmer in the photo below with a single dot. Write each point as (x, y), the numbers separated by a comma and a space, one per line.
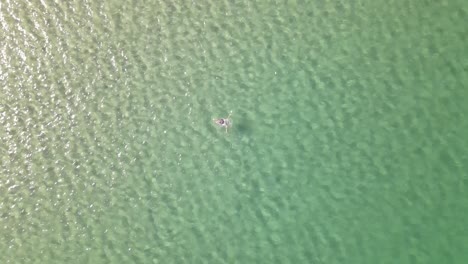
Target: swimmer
(223, 122)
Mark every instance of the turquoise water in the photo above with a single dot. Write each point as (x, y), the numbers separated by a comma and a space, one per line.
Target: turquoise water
(348, 142)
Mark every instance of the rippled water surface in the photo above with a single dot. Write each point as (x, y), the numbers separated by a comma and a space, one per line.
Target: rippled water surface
(349, 139)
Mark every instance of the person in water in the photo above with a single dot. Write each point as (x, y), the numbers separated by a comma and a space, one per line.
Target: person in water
(223, 122)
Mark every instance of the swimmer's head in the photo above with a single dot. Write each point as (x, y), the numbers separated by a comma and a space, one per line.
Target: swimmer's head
(219, 121)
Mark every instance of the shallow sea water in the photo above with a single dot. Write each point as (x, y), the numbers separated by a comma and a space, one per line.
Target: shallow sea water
(348, 142)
